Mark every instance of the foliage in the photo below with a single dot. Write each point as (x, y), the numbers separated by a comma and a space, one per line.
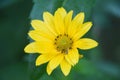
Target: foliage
(101, 63)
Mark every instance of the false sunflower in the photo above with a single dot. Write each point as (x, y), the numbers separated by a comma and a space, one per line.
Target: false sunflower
(57, 39)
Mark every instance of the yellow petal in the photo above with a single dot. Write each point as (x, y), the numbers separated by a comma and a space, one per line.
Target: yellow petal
(65, 67)
(78, 20)
(39, 47)
(62, 12)
(49, 21)
(86, 43)
(43, 58)
(73, 55)
(49, 70)
(82, 30)
(55, 61)
(31, 48)
(41, 26)
(38, 36)
(38, 25)
(68, 19)
(59, 20)
(69, 60)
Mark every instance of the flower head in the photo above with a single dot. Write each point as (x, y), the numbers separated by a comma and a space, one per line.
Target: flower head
(57, 38)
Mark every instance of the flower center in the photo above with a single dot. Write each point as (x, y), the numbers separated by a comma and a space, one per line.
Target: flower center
(63, 43)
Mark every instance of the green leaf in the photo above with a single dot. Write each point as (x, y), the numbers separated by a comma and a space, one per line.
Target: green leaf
(77, 5)
(95, 71)
(85, 67)
(80, 6)
(41, 5)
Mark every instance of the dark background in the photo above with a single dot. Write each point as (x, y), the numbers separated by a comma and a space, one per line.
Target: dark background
(14, 25)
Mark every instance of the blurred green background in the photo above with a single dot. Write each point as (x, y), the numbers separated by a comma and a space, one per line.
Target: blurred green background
(101, 63)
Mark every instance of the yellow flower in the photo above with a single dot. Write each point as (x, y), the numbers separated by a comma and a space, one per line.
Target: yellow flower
(57, 38)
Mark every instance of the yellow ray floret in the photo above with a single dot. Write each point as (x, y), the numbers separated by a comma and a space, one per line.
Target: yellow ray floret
(57, 39)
